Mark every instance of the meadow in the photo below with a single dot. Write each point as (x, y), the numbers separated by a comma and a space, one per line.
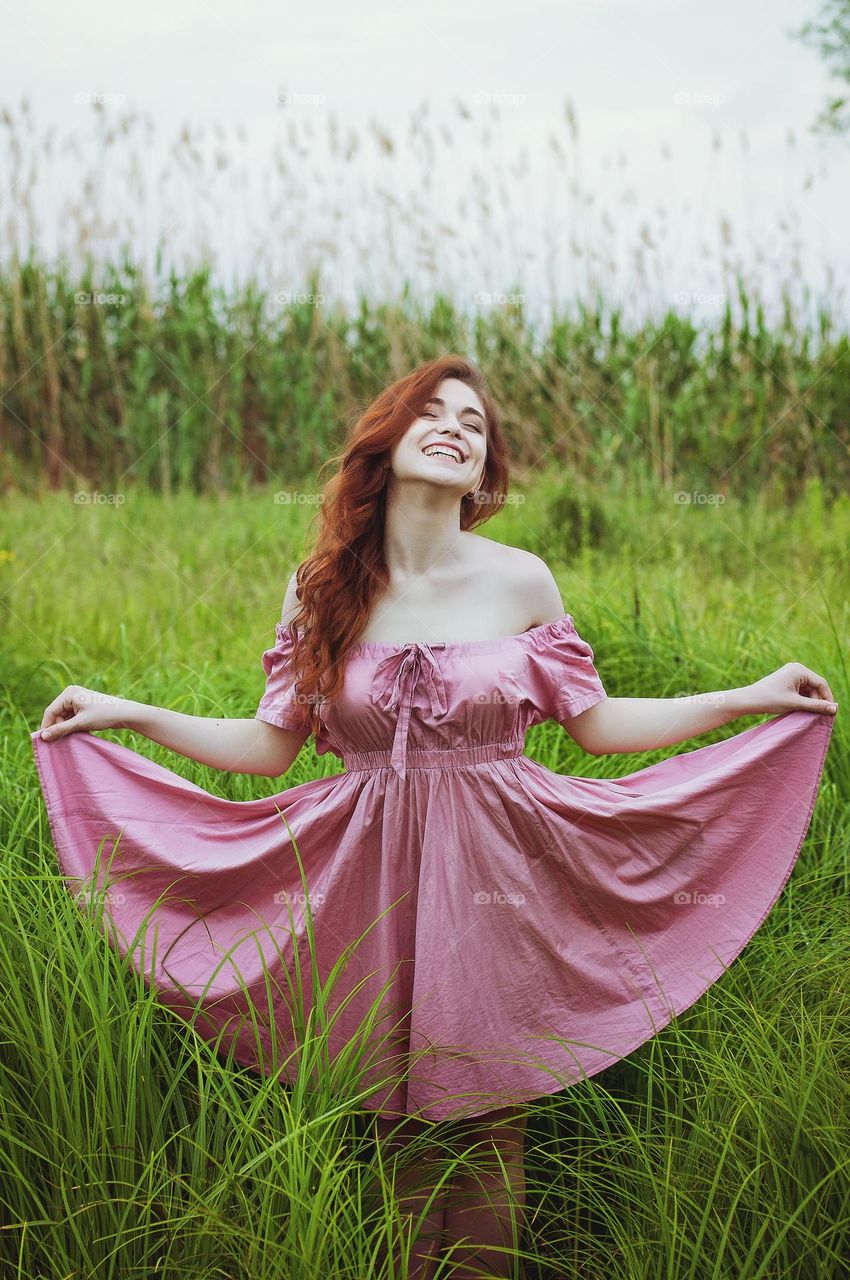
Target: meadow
(129, 1148)
(162, 444)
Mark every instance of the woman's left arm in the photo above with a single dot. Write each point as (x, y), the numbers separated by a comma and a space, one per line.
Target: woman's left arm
(643, 724)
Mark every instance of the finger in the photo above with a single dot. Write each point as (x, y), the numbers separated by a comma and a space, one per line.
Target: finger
(820, 685)
(60, 728)
(51, 718)
(815, 686)
(824, 706)
(59, 709)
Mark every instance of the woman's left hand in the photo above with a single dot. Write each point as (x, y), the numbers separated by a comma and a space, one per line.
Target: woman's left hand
(791, 688)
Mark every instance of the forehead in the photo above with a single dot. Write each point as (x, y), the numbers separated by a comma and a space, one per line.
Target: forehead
(458, 394)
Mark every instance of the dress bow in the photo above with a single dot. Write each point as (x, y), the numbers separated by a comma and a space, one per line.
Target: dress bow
(394, 684)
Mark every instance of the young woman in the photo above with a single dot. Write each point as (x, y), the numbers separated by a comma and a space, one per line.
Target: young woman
(541, 926)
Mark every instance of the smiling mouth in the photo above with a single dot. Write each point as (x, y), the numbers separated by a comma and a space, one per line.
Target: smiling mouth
(455, 456)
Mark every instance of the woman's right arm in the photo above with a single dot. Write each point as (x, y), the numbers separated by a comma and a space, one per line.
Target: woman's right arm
(237, 746)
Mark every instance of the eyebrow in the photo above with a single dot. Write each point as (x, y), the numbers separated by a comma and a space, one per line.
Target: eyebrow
(469, 408)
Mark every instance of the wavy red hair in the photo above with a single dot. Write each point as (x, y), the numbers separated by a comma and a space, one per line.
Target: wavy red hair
(346, 572)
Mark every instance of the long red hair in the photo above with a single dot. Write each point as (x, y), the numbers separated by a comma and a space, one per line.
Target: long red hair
(346, 571)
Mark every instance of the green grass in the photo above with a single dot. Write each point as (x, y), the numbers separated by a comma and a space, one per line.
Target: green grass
(128, 1148)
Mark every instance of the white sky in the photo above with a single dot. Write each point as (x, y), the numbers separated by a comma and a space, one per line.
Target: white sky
(630, 69)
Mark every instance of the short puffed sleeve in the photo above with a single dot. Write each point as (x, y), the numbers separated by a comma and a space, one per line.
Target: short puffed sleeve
(278, 704)
(563, 678)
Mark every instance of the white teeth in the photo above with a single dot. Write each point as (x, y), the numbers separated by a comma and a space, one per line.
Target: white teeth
(436, 451)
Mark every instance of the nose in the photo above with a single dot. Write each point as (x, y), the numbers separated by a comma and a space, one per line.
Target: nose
(453, 427)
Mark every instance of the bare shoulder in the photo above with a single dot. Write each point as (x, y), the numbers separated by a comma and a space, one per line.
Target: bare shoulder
(530, 579)
(291, 601)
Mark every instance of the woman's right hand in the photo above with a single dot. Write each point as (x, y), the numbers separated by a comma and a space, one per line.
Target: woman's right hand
(79, 709)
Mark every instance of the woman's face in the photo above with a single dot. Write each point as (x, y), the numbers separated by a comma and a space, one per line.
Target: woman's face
(455, 420)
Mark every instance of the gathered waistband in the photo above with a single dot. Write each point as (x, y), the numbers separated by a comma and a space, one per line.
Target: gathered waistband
(436, 757)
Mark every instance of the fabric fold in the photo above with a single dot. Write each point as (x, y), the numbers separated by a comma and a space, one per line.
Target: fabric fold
(524, 928)
(394, 687)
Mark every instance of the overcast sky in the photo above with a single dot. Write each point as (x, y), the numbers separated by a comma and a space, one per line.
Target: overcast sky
(683, 110)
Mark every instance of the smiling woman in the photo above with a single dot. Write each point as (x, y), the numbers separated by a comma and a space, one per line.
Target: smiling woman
(444, 864)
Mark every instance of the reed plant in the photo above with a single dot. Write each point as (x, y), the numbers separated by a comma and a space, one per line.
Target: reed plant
(133, 353)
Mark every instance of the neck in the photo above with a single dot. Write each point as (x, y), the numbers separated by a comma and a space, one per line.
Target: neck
(422, 536)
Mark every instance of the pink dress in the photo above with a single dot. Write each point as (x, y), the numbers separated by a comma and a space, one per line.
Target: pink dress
(526, 928)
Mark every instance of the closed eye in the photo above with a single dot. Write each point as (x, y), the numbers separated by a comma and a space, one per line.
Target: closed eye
(474, 423)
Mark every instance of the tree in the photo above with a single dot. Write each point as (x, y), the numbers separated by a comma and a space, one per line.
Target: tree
(829, 33)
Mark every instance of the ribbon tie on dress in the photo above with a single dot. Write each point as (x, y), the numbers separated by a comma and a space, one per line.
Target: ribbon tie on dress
(394, 684)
